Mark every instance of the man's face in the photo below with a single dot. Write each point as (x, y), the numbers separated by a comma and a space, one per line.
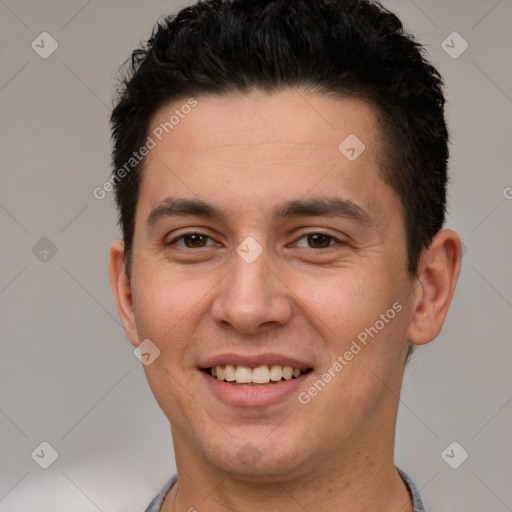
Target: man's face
(270, 276)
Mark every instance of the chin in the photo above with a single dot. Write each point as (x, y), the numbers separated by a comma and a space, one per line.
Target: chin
(257, 457)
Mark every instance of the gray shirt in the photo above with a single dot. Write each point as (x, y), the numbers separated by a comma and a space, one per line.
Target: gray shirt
(158, 500)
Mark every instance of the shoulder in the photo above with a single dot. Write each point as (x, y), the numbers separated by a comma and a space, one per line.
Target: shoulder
(417, 504)
(157, 501)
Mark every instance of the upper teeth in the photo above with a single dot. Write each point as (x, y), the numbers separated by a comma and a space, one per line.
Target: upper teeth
(260, 375)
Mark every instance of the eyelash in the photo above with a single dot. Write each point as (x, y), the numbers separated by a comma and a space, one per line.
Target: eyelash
(173, 241)
(304, 235)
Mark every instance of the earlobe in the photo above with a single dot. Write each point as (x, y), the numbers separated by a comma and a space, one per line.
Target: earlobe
(121, 288)
(438, 272)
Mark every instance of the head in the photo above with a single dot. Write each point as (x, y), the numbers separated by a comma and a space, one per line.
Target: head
(309, 135)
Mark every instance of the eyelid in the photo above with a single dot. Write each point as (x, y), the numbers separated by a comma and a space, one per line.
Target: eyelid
(340, 240)
(301, 236)
(188, 233)
(320, 232)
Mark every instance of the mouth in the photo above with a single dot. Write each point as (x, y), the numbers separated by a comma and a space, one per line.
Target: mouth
(255, 380)
(263, 375)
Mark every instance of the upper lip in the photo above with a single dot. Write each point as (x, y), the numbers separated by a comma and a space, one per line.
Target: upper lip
(253, 361)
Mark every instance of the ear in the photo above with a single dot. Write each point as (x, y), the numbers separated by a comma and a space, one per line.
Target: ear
(122, 290)
(437, 276)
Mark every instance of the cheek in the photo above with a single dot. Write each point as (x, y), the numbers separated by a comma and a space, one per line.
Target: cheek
(344, 303)
(168, 312)
(166, 307)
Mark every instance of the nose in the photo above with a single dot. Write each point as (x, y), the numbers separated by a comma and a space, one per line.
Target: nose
(252, 297)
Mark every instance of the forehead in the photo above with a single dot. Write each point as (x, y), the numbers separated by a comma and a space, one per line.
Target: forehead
(259, 118)
(260, 147)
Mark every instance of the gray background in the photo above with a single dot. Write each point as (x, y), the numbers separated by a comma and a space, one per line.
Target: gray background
(69, 376)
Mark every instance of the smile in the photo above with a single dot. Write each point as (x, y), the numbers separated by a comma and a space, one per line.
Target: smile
(246, 376)
(255, 380)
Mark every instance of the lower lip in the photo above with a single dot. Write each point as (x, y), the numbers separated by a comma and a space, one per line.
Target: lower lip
(253, 396)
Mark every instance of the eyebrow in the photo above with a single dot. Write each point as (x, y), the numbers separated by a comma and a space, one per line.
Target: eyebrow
(313, 207)
(322, 207)
(178, 207)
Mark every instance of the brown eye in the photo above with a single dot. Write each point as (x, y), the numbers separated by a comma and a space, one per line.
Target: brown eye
(317, 241)
(192, 241)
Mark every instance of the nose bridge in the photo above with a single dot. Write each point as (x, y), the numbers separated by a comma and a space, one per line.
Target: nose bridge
(251, 295)
(250, 281)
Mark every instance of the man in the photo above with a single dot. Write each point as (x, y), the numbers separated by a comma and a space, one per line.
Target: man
(280, 173)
